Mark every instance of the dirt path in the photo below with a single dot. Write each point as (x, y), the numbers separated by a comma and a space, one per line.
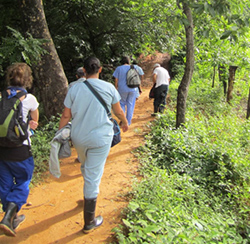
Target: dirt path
(55, 214)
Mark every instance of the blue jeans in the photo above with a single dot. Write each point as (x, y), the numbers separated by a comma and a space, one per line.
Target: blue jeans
(160, 98)
(128, 100)
(15, 178)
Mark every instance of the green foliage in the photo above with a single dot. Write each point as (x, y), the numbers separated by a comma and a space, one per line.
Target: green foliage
(107, 29)
(18, 48)
(213, 151)
(195, 186)
(172, 209)
(41, 146)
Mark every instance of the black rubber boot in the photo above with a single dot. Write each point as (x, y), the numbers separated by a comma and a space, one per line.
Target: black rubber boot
(161, 109)
(156, 109)
(6, 225)
(18, 220)
(90, 221)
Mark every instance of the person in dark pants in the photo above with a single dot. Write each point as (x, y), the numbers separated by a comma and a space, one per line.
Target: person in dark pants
(162, 79)
(17, 163)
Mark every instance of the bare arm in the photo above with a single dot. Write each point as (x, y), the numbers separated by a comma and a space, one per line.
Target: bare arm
(154, 78)
(142, 78)
(120, 115)
(66, 116)
(116, 83)
(33, 123)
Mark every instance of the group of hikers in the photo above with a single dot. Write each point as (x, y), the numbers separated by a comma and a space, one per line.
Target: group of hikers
(91, 131)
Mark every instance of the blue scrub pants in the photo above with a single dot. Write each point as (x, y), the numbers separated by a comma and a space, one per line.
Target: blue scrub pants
(128, 100)
(15, 178)
(92, 167)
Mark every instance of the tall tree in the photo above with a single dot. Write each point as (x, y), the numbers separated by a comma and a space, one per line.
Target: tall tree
(189, 67)
(48, 73)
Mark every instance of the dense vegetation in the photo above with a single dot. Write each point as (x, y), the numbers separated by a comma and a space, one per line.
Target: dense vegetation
(195, 185)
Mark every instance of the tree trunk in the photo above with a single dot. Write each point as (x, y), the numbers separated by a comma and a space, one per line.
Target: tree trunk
(223, 77)
(231, 78)
(248, 105)
(48, 74)
(213, 77)
(189, 68)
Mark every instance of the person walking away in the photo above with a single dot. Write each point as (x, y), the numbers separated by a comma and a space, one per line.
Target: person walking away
(17, 163)
(162, 79)
(92, 132)
(80, 76)
(128, 95)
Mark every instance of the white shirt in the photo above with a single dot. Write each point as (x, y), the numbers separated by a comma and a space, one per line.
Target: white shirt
(29, 104)
(162, 76)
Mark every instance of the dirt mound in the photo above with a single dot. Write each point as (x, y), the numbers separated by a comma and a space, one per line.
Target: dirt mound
(148, 62)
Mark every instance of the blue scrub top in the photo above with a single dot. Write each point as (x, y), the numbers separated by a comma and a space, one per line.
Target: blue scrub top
(91, 126)
(121, 74)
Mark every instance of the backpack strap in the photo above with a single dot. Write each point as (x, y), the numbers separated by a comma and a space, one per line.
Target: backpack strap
(5, 94)
(97, 95)
(133, 67)
(20, 94)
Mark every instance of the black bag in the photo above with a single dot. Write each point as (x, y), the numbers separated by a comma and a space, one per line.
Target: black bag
(13, 130)
(116, 128)
(152, 92)
(133, 78)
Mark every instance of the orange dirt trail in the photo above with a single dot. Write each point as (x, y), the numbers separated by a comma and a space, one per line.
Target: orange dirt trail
(55, 214)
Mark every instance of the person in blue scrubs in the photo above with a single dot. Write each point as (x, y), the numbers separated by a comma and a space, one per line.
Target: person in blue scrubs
(92, 132)
(128, 95)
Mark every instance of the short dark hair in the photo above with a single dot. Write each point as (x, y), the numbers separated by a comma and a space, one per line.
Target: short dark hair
(125, 60)
(92, 65)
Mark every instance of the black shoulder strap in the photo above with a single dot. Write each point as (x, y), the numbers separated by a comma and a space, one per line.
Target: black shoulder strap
(5, 94)
(20, 94)
(100, 99)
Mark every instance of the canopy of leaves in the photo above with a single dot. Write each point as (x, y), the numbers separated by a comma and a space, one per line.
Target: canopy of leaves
(111, 28)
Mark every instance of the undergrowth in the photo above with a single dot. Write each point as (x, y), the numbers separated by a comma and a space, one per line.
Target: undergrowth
(195, 186)
(41, 146)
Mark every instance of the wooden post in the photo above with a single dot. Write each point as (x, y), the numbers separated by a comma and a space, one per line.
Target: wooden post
(248, 104)
(231, 78)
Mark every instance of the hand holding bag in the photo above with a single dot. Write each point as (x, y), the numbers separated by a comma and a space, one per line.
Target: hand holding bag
(152, 91)
(116, 128)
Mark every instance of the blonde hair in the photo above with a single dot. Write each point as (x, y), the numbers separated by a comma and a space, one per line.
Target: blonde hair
(19, 74)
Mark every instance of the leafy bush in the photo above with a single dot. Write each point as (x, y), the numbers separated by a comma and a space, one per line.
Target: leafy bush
(18, 49)
(41, 146)
(214, 152)
(172, 209)
(195, 186)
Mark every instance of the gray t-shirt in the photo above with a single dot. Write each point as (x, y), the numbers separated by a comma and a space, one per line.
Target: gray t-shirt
(91, 126)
